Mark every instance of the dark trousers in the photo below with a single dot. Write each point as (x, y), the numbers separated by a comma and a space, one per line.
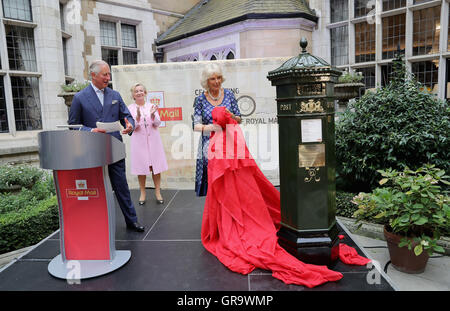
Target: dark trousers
(119, 184)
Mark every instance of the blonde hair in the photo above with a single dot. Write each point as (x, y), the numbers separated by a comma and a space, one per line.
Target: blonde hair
(134, 87)
(210, 70)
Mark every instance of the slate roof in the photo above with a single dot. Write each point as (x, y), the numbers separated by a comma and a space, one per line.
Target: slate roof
(211, 14)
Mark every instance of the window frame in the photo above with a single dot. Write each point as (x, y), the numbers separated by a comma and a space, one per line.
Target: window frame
(390, 54)
(346, 35)
(18, 19)
(118, 22)
(8, 74)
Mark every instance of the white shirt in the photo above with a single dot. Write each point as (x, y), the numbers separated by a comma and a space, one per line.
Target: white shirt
(100, 93)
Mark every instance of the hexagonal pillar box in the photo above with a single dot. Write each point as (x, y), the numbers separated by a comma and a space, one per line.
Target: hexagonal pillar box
(305, 110)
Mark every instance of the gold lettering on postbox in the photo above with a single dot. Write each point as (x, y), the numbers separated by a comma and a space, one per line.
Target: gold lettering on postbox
(311, 155)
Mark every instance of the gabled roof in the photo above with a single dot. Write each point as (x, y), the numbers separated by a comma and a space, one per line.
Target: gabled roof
(211, 14)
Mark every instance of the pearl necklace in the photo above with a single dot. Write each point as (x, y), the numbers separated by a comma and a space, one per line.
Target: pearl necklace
(215, 98)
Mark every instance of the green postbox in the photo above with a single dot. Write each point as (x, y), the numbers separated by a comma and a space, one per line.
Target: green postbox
(305, 110)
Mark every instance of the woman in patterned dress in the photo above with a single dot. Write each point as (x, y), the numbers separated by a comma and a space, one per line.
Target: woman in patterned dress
(213, 96)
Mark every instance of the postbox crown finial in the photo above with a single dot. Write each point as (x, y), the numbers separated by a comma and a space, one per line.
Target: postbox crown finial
(303, 44)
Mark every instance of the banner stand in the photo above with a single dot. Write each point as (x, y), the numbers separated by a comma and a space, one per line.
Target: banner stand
(79, 161)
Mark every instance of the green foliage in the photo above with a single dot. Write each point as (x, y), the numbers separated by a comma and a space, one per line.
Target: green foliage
(74, 86)
(29, 214)
(344, 205)
(28, 226)
(398, 126)
(350, 77)
(20, 175)
(410, 203)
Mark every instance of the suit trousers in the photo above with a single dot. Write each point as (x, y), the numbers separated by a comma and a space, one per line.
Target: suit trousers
(119, 185)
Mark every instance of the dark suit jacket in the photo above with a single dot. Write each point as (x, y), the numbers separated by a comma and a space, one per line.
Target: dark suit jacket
(86, 109)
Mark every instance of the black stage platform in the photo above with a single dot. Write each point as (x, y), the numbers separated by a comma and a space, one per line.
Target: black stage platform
(169, 256)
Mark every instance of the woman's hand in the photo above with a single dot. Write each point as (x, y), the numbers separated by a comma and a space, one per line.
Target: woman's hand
(233, 116)
(138, 115)
(153, 109)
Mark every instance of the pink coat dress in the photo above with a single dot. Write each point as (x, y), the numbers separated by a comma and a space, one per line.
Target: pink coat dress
(146, 145)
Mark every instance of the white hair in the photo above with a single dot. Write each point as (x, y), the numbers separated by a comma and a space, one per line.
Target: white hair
(210, 70)
(95, 66)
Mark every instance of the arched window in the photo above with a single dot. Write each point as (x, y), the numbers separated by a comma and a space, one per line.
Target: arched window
(230, 55)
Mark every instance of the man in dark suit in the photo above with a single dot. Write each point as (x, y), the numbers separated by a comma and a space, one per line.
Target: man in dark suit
(97, 102)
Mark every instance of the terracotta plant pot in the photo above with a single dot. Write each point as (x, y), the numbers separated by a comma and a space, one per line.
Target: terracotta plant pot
(402, 258)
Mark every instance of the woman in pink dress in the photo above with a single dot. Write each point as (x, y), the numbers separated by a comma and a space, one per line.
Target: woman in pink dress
(147, 152)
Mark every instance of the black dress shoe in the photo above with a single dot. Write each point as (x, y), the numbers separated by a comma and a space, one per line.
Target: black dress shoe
(141, 202)
(136, 227)
(159, 201)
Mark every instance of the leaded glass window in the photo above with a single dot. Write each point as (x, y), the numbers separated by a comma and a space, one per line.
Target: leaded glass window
(364, 42)
(393, 35)
(3, 113)
(339, 46)
(363, 7)
(27, 108)
(108, 35)
(339, 10)
(426, 30)
(17, 9)
(393, 4)
(427, 73)
(369, 76)
(21, 49)
(129, 57)
(128, 36)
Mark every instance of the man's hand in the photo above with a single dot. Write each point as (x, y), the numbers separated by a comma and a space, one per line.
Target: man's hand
(97, 130)
(128, 127)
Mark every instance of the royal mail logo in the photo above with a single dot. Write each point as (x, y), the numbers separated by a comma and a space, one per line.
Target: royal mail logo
(81, 191)
(155, 100)
(170, 114)
(81, 184)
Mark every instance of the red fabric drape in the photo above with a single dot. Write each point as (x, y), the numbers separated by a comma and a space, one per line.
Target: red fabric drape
(242, 213)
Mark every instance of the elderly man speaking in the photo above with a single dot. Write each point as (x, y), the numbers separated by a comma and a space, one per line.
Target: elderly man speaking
(98, 102)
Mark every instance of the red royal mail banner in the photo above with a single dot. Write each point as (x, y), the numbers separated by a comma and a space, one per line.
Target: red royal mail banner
(170, 114)
(84, 214)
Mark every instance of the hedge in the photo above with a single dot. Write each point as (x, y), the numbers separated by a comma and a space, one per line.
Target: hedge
(29, 225)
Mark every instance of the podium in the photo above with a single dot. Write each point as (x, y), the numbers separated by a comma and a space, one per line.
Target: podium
(79, 161)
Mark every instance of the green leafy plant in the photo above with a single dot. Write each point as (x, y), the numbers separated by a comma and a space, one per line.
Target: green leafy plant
(344, 205)
(20, 175)
(74, 86)
(350, 77)
(410, 203)
(28, 225)
(29, 214)
(397, 126)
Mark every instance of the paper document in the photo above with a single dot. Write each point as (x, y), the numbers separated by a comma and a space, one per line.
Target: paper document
(110, 126)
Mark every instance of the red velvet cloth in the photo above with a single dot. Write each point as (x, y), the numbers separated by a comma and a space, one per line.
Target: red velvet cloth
(242, 213)
(349, 256)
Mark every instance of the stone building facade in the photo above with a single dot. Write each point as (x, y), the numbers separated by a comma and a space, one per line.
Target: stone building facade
(47, 43)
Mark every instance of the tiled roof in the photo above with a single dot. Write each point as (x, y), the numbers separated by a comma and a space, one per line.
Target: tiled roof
(211, 14)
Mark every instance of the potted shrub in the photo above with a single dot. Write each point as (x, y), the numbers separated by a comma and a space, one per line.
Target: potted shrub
(69, 90)
(348, 86)
(413, 208)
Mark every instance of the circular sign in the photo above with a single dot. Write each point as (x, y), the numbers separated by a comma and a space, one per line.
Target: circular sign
(246, 105)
